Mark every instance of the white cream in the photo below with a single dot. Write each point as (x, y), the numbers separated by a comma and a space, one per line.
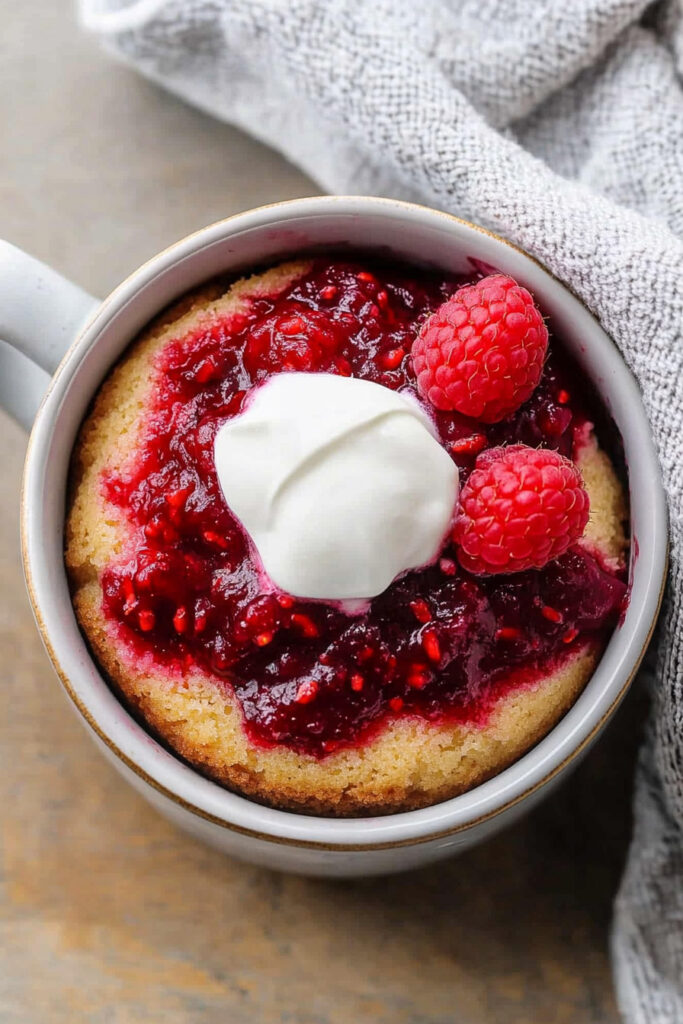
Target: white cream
(340, 483)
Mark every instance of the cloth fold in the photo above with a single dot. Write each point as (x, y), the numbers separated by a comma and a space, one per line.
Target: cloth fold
(558, 125)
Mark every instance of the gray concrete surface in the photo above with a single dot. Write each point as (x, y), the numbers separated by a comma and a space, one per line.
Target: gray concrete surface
(107, 914)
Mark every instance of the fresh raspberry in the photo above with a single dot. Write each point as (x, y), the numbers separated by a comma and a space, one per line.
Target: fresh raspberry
(520, 508)
(482, 352)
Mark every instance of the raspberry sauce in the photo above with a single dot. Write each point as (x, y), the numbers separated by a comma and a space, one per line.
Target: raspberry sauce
(438, 643)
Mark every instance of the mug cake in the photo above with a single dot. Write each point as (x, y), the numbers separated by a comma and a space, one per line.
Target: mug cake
(348, 536)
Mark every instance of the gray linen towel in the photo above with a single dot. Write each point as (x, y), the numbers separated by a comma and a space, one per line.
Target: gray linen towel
(559, 124)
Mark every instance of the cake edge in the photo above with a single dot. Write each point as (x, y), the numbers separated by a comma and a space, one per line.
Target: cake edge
(408, 764)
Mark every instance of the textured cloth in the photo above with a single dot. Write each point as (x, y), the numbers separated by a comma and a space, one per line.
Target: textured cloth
(559, 124)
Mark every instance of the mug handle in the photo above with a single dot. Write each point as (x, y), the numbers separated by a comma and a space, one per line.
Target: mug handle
(40, 315)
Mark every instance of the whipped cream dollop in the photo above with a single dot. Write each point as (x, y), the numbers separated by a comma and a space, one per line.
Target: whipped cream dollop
(340, 483)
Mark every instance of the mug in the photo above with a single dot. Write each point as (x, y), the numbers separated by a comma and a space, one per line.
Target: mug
(50, 327)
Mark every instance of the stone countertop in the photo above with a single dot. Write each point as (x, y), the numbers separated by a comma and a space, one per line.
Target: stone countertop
(107, 913)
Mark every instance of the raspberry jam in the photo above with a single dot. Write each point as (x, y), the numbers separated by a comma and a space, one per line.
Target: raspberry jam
(437, 643)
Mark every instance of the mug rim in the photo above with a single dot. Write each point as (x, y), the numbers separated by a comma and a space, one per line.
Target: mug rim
(405, 828)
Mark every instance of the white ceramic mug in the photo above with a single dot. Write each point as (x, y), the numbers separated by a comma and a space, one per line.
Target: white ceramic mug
(45, 319)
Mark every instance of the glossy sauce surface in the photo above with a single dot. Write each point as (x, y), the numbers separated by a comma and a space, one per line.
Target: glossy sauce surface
(438, 643)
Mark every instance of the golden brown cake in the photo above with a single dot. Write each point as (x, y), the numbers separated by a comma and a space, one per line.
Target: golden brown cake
(173, 608)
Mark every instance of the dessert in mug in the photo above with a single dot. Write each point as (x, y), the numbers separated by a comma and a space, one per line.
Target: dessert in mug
(346, 534)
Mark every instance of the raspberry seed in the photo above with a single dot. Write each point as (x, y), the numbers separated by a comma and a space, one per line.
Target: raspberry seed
(306, 692)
